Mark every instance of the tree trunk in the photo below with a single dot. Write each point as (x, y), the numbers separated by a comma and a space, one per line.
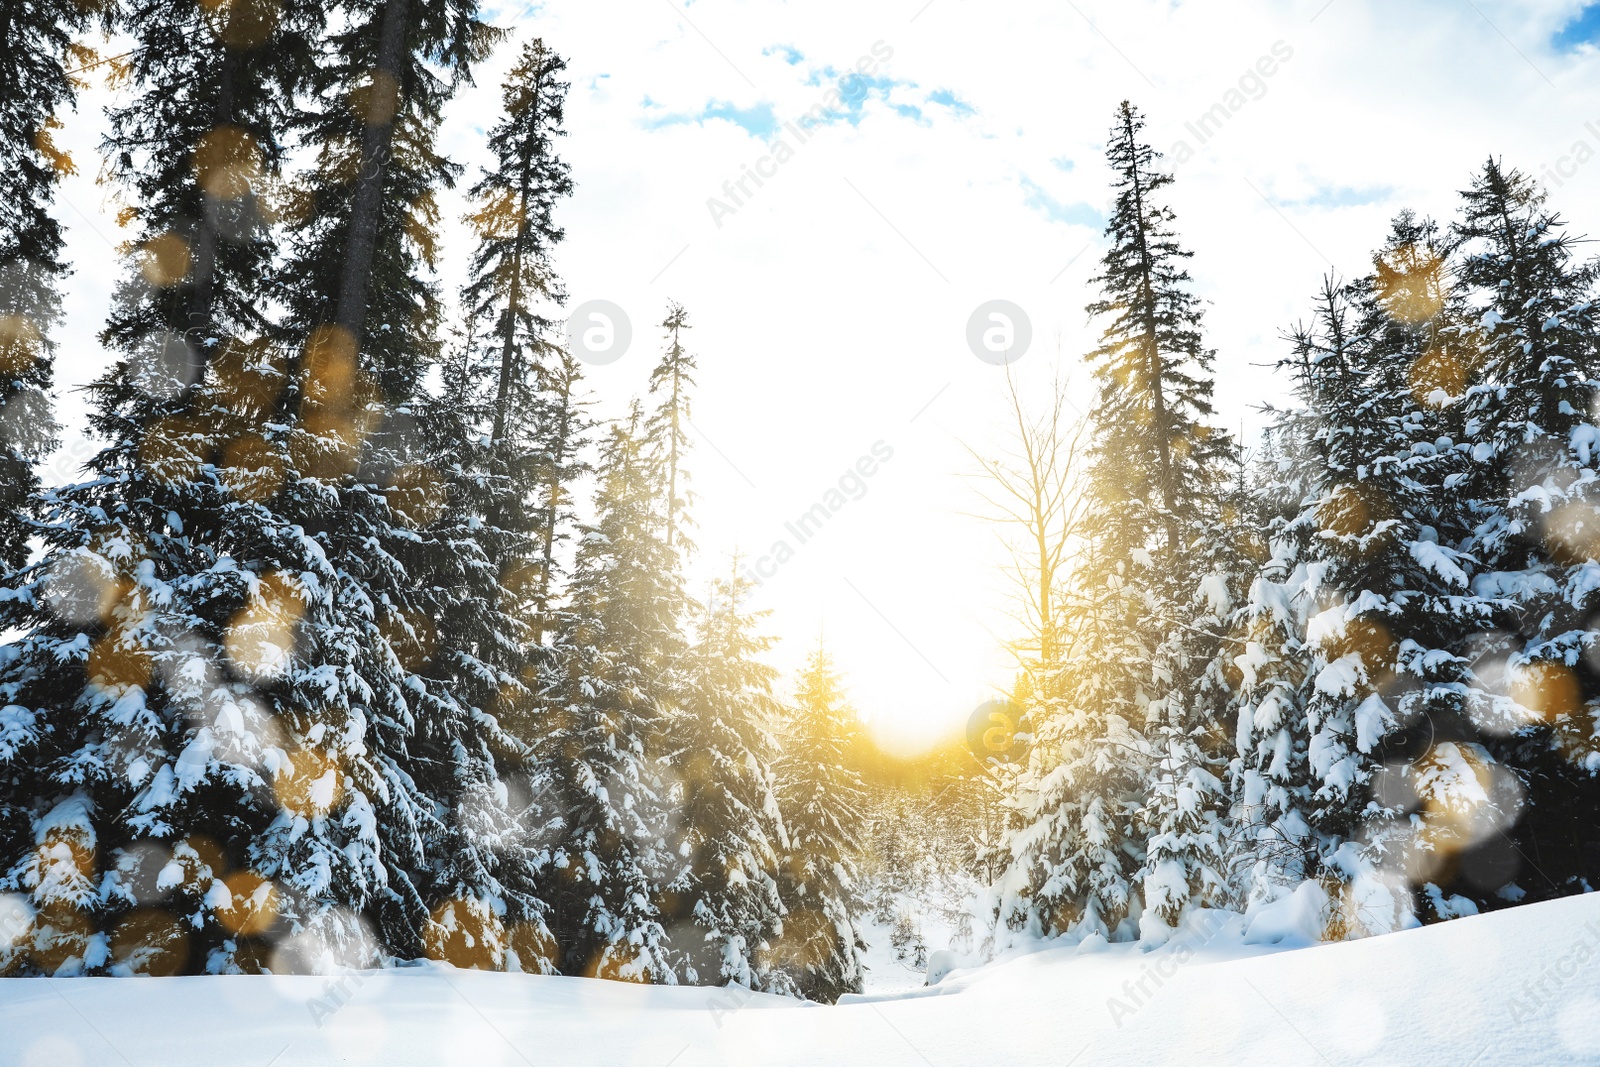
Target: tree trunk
(1152, 353)
(202, 280)
(552, 505)
(366, 209)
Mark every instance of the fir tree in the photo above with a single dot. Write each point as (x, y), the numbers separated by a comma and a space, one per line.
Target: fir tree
(480, 674)
(1270, 785)
(1067, 852)
(1122, 798)
(505, 420)
(820, 797)
(512, 277)
(617, 638)
(38, 61)
(1357, 601)
(1401, 586)
(673, 377)
(382, 482)
(534, 421)
(171, 593)
(1154, 368)
(724, 905)
(408, 647)
(1155, 397)
(565, 427)
(1532, 506)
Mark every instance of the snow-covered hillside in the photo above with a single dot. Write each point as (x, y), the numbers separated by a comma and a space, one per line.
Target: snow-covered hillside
(1517, 986)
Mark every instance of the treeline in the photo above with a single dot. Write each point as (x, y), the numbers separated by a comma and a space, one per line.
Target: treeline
(1361, 666)
(316, 665)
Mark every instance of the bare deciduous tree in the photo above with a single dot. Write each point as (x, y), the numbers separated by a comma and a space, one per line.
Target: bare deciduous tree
(1032, 489)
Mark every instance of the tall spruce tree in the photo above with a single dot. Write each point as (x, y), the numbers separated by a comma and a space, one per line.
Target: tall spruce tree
(1531, 508)
(723, 908)
(513, 282)
(38, 61)
(673, 377)
(564, 437)
(36, 81)
(1271, 823)
(1122, 802)
(820, 797)
(1409, 609)
(166, 592)
(504, 420)
(410, 645)
(1354, 615)
(474, 712)
(616, 642)
(532, 408)
(1155, 374)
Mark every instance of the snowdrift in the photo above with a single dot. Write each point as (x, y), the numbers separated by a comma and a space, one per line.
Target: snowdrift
(1517, 986)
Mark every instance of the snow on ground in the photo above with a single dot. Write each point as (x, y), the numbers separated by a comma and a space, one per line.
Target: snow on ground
(889, 971)
(1517, 986)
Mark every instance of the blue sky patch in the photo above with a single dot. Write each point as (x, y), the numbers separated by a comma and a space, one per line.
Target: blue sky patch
(1585, 29)
(758, 120)
(791, 55)
(945, 98)
(854, 92)
(506, 10)
(1079, 214)
(1346, 197)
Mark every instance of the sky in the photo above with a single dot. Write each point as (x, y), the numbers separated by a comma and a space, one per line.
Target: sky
(917, 160)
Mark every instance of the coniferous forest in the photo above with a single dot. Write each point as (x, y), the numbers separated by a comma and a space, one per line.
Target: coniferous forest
(362, 640)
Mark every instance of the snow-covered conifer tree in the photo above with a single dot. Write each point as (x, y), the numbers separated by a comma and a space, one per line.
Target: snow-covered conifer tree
(820, 797)
(673, 377)
(723, 908)
(1532, 508)
(38, 61)
(504, 419)
(1122, 800)
(416, 619)
(167, 592)
(511, 295)
(1348, 616)
(617, 640)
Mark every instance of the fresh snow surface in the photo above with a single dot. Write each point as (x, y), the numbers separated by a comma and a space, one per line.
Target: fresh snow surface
(1516, 986)
(886, 972)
